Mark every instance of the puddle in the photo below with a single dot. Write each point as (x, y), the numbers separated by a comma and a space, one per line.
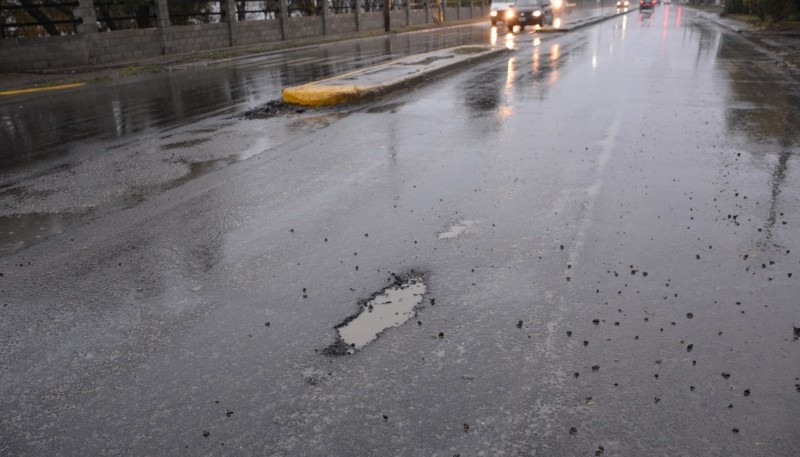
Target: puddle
(428, 60)
(387, 108)
(313, 123)
(390, 308)
(469, 50)
(18, 231)
(196, 170)
(186, 144)
(457, 229)
(205, 130)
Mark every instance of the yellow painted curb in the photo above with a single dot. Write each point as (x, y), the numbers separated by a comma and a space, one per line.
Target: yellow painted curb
(322, 95)
(380, 79)
(31, 90)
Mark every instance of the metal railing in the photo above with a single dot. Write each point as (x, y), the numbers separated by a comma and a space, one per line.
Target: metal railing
(122, 14)
(34, 18)
(37, 18)
(248, 10)
(186, 12)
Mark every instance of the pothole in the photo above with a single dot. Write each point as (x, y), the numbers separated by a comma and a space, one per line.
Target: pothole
(391, 307)
(469, 50)
(457, 229)
(272, 109)
(186, 144)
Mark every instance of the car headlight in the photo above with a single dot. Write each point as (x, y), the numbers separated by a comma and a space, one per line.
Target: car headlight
(537, 13)
(510, 14)
(493, 13)
(557, 3)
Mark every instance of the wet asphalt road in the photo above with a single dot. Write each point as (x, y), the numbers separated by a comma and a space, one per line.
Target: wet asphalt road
(47, 124)
(628, 191)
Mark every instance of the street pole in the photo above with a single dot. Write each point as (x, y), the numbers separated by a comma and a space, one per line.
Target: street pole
(387, 15)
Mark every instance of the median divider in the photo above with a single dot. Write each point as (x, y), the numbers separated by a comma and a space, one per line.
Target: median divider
(369, 83)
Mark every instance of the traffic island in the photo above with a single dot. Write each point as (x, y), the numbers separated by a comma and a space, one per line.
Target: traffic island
(369, 83)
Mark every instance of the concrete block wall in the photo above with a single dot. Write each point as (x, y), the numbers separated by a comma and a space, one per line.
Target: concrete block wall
(399, 19)
(30, 54)
(255, 32)
(341, 23)
(97, 48)
(371, 21)
(419, 17)
(110, 47)
(182, 39)
(304, 27)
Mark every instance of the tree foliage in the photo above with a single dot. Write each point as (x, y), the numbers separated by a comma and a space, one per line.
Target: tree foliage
(773, 10)
(735, 7)
(777, 10)
(183, 12)
(116, 14)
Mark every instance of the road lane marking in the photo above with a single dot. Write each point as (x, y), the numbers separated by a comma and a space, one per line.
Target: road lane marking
(31, 90)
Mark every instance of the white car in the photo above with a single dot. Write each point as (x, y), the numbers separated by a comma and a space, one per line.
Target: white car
(497, 11)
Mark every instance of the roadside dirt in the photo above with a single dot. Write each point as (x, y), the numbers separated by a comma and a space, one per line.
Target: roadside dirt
(785, 45)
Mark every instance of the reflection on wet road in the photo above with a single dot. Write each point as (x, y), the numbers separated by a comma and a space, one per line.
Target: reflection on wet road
(606, 222)
(37, 126)
(55, 135)
(43, 125)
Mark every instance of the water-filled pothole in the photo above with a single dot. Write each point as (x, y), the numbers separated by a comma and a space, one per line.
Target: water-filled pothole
(18, 231)
(457, 229)
(391, 307)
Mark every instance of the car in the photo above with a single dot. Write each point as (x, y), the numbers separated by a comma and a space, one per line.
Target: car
(647, 4)
(529, 12)
(498, 10)
(623, 4)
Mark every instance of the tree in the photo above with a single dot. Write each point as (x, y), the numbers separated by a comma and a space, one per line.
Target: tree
(183, 12)
(110, 13)
(775, 10)
(778, 10)
(735, 7)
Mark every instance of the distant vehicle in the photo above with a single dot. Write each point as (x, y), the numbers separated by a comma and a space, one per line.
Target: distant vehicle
(647, 4)
(498, 10)
(666, 2)
(623, 3)
(529, 12)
